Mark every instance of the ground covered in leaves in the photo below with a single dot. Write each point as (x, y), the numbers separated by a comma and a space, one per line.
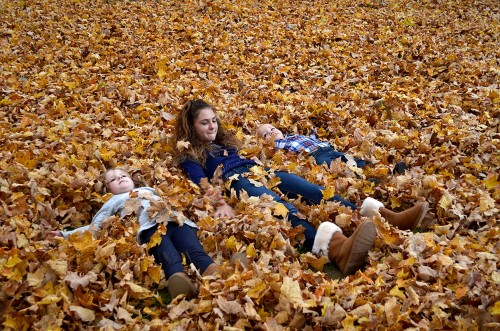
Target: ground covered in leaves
(87, 85)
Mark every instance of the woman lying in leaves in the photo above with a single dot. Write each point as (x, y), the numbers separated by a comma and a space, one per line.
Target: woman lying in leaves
(177, 239)
(322, 151)
(211, 145)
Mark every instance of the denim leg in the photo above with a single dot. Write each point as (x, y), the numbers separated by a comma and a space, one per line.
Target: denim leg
(178, 239)
(165, 253)
(244, 184)
(293, 186)
(328, 155)
(186, 241)
(361, 163)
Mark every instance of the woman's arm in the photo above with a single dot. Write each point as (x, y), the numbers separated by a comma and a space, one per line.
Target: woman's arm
(194, 171)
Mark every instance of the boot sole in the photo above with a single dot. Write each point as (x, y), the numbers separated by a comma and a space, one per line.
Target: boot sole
(180, 285)
(363, 243)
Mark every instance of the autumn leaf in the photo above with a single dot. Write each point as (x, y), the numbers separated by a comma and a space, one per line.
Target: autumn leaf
(291, 290)
(495, 310)
(84, 314)
(75, 280)
(229, 307)
(280, 210)
(328, 192)
(182, 145)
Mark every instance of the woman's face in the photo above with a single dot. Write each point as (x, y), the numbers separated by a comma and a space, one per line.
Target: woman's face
(119, 182)
(205, 125)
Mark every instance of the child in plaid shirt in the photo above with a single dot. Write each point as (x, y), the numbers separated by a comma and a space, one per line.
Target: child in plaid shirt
(322, 151)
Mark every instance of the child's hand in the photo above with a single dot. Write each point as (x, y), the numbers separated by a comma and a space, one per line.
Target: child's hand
(224, 210)
(54, 234)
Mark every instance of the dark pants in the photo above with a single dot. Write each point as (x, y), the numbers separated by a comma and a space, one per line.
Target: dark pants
(328, 154)
(178, 239)
(292, 186)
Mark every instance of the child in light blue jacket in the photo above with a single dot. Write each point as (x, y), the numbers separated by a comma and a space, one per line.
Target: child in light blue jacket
(178, 238)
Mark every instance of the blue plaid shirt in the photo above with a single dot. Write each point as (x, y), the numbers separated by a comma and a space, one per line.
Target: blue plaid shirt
(298, 143)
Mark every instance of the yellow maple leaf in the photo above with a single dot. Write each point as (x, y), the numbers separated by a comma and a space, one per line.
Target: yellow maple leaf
(161, 73)
(395, 291)
(263, 313)
(105, 154)
(137, 288)
(491, 181)
(250, 251)
(84, 241)
(329, 192)
(495, 310)
(155, 273)
(155, 240)
(70, 85)
(316, 262)
(348, 322)
(162, 68)
(258, 170)
(280, 210)
(290, 289)
(395, 202)
(16, 195)
(446, 200)
(36, 278)
(49, 299)
(231, 243)
(59, 266)
(257, 289)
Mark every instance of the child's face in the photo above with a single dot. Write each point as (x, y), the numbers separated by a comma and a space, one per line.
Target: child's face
(118, 181)
(269, 132)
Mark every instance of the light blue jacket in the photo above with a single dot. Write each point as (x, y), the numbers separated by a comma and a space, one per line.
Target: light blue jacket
(115, 206)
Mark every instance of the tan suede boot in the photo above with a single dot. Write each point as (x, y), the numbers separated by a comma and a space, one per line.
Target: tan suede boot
(408, 219)
(211, 269)
(349, 253)
(405, 220)
(179, 283)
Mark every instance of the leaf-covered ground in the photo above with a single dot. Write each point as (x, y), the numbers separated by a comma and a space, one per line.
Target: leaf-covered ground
(92, 84)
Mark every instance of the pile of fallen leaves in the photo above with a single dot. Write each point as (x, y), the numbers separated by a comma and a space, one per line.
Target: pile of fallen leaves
(87, 85)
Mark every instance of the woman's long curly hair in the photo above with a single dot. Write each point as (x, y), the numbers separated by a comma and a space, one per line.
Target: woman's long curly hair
(185, 131)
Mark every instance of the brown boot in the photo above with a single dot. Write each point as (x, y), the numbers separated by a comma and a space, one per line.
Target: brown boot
(211, 269)
(405, 220)
(349, 253)
(408, 219)
(179, 283)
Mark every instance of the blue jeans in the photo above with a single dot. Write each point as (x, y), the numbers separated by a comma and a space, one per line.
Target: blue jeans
(328, 154)
(178, 239)
(292, 186)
